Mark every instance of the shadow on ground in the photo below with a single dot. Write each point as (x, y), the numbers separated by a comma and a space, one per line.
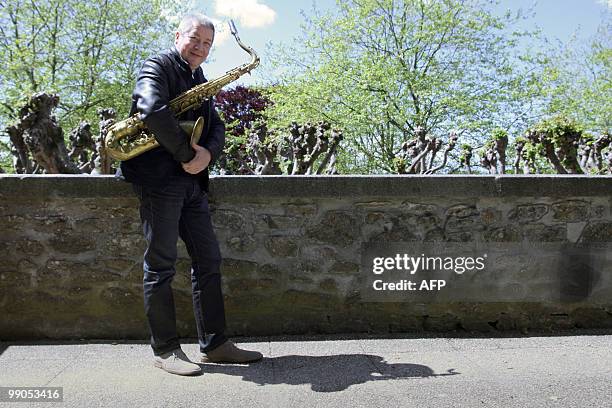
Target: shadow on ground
(324, 373)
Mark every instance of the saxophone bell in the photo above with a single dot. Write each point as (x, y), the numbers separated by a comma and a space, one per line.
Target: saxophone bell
(193, 128)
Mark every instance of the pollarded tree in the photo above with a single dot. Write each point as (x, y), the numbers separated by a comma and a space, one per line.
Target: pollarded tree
(556, 144)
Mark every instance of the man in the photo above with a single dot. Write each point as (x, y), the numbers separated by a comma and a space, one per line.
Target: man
(171, 183)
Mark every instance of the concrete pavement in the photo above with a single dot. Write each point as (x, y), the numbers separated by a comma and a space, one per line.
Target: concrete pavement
(524, 371)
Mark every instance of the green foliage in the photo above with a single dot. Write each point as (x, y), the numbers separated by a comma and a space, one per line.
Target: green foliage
(87, 53)
(499, 134)
(380, 69)
(559, 129)
(466, 152)
(577, 81)
(520, 139)
(533, 151)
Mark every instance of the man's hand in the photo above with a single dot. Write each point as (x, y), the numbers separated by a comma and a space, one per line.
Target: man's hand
(199, 162)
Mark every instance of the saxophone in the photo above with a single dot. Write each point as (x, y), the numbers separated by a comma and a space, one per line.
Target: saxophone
(130, 137)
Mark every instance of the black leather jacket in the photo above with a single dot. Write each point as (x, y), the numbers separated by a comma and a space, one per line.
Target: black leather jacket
(162, 78)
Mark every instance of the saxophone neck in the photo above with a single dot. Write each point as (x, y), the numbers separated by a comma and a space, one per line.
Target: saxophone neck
(254, 57)
(196, 95)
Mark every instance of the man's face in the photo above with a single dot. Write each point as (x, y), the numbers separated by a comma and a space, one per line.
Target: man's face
(194, 44)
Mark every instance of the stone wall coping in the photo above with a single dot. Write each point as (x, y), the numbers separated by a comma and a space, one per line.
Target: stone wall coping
(303, 186)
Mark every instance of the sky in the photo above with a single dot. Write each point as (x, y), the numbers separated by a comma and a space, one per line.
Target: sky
(261, 23)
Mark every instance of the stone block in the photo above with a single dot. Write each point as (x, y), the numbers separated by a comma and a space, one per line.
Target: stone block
(374, 217)
(419, 209)
(278, 222)
(506, 233)
(461, 236)
(525, 213)
(598, 211)
(336, 227)
(269, 271)
(571, 210)
(545, 233)
(27, 266)
(345, 268)
(238, 268)
(29, 248)
(58, 271)
(396, 232)
(72, 243)
(120, 266)
(328, 285)
(55, 270)
(490, 216)
(597, 232)
(434, 235)
(373, 205)
(229, 219)
(78, 291)
(455, 224)
(52, 223)
(281, 246)
(14, 280)
(420, 223)
(304, 272)
(301, 209)
(322, 253)
(121, 297)
(10, 265)
(127, 245)
(462, 211)
(242, 243)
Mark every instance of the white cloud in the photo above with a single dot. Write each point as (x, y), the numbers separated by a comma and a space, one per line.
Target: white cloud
(606, 3)
(249, 13)
(222, 31)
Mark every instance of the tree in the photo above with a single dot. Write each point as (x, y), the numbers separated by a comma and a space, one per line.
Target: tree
(253, 148)
(86, 53)
(240, 108)
(578, 81)
(381, 69)
(557, 144)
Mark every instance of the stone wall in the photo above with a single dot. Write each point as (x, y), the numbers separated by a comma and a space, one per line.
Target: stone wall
(71, 251)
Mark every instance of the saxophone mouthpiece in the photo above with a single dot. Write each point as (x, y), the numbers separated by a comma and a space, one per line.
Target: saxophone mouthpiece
(232, 27)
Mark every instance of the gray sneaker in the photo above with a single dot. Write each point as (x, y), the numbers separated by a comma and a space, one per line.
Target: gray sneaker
(229, 353)
(176, 362)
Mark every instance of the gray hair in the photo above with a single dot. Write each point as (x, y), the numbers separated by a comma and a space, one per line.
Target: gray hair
(199, 19)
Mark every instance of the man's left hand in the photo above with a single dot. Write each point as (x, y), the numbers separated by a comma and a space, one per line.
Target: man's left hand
(199, 162)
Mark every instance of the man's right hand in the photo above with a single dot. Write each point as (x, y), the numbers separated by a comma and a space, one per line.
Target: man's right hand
(199, 162)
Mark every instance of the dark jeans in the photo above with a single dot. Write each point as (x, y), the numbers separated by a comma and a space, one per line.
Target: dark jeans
(180, 209)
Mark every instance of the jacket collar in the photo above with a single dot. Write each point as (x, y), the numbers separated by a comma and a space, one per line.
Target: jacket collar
(180, 61)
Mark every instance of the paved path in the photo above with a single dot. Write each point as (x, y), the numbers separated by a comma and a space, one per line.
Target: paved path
(562, 371)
